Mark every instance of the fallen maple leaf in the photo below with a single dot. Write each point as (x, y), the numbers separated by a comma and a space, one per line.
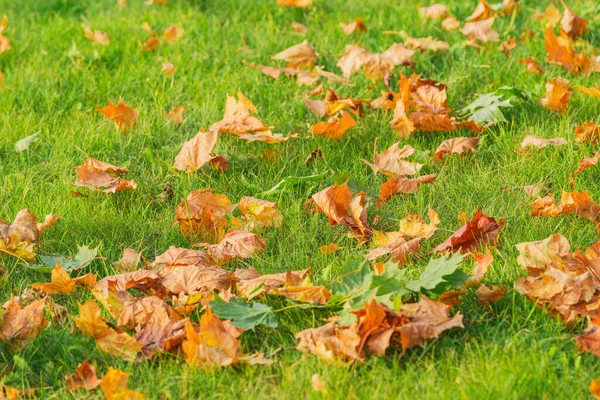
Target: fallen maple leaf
(355, 26)
(4, 41)
(235, 243)
(435, 11)
(196, 152)
(294, 3)
(542, 253)
(98, 37)
(109, 340)
(173, 33)
(334, 128)
(84, 377)
(450, 23)
(259, 212)
(61, 282)
(339, 205)
(19, 324)
(540, 143)
(114, 385)
(573, 25)
(588, 133)
(414, 226)
(302, 55)
(298, 27)
(391, 161)
(399, 249)
(333, 104)
(330, 248)
(96, 175)
(561, 51)
(202, 215)
(395, 186)
(595, 388)
(168, 68)
(459, 145)
(588, 162)
(26, 226)
(375, 66)
(427, 43)
(506, 47)
(481, 30)
(129, 261)
(486, 295)
(122, 115)
(551, 16)
(558, 95)
(480, 231)
(578, 203)
(152, 44)
(531, 65)
(237, 118)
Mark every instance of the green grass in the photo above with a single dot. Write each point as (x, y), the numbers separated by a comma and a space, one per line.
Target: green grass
(510, 349)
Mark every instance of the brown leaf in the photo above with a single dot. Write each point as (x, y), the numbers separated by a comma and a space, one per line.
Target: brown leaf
(259, 212)
(235, 244)
(427, 43)
(551, 16)
(237, 118)
(114, 385)
(561, 51)
(176, 115)
(196, 152)
(61, 282)
(19, 323)
(414, 226)
(480, 231)
(330, 248)
(129, 261)
(334, 128)
(355, 26)
(542, 253)
(173, 33)
(506, 47)
(84, 377)
(202, 215)
(24, 225)
(333, 104)
(251, 283)
(98, 37)
(486, 295)
(588, 133)
(578, 203)
(531, 65)
(450, 24)
(540, 143)
(122, 115)
(481, 30)
(395, 186)
(337, 203)
(573, 25)
(294, 3)
(588, 162)
(595, 388)
(435, 11)
(399, 250)
(558, 95)
(375, 66)
(313, 156)
(390, 162)
(459, 145)
(152, 44)
(95, 175)
(302, 55)
(298, 27)
(92, 324)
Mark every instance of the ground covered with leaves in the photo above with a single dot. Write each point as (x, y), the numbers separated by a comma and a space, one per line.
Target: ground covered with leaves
(299, 198)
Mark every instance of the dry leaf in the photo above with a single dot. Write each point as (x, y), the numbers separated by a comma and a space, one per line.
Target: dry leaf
(98, 37)
(19, 323)
(61, 282)
(486, 295)
(96, 175)
(84, 377)
(237, 118)
(481, 30)
(114, 384)
(450, 24)
(173, 33)
(578, 203)
(540, 143)
(531, 65)
(202, 215)
(375, 66)
(152, 44)
(196, 152)
(561, 51)
(334, 128)
(299, 56)
(558, 95)
(427, 43)
(480, 231)
(261, 213)
(298, 27)
(435, 11)
(588, 162)
(330, 248)
(168, 68)
(355, 26)
(459, 145)
(573, 25)
(395, 186)
(294, 3)
(122, 115)
(129, 261)
(588, 133)
(391, 161)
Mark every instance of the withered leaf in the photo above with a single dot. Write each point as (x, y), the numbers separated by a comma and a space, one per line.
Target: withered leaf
(458, 145)
(302, 55)
(84, 377)
(481, 30)
(122, 115)
(395, 186)
(334, 128)
(480, 231)
(357, 25)
(114, 384)
(196, 151)
(202, 215)
(96, 175)
(391, 161)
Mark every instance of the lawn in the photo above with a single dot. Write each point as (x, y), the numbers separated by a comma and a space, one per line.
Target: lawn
(55, 79)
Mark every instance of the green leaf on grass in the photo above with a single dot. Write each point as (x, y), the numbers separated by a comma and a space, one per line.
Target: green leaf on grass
(293, 180)
(488, 107)
(84, 256)
(440, 273)
(243, 314)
